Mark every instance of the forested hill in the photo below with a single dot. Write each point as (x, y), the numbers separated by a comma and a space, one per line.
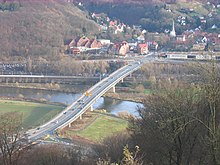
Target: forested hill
(145, 1)
(39, 27)
(157, 16)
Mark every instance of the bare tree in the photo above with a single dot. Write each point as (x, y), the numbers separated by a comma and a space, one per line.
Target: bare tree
(112, 147)
(210, 87)
(166, 129)
(180, 122)
(10, 128)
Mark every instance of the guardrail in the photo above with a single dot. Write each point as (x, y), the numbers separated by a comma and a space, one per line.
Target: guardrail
(85, 108)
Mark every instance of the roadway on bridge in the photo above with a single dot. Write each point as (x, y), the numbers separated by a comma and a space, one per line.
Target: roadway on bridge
(77, 108)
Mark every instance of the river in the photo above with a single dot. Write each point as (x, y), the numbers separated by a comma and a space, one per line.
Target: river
(111, 105)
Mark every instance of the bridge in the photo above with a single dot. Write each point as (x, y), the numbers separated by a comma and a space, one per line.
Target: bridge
(85, 102)
(46, 79)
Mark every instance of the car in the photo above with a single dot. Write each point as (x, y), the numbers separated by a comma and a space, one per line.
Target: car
(38, 128)
(64, 113)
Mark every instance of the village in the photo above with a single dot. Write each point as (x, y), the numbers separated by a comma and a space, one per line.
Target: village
(136, 40)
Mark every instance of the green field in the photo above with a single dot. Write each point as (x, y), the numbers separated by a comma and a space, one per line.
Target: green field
(33, 113)
(101, 128)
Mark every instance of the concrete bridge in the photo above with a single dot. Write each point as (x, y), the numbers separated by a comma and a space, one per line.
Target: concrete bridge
(47, 79)
(85, 102)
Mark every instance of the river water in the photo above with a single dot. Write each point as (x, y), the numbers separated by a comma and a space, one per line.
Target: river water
(111, 105)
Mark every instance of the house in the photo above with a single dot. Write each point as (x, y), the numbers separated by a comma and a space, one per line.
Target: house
(82, 41)
(181, 38)
(103, 28)
(199, 47)
(124, 48)
(76, 51)
(141, 38)
(142, 48)
(104, 41)
(113, 23)
(137, 27)
(152, 45)
(132, 45)
(119, 29)
(82, 44)
(121, 48)
(95, 44)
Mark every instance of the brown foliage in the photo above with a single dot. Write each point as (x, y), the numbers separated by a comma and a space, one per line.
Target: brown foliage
(40, 27)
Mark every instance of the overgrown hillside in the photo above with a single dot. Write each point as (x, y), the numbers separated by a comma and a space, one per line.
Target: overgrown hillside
(144, 1)
(39, 27)
(157, 15)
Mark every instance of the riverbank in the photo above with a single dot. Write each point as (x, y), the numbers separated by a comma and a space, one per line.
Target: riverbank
(67, 88)
(40, 101)
(134, 97)
(120, 93)
(34, 114)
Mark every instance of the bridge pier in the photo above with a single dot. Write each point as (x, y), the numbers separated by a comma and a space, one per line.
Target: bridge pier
(112, 90)
(91, 108)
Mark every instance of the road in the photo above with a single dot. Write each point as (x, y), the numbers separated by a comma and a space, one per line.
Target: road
(78, 107)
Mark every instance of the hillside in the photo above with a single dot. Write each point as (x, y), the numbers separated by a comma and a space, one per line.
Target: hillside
(144, 1)
(156, 15)
(39, 27)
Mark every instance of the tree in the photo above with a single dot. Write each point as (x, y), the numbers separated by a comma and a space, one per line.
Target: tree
(84, 30)
(111, 148)
(167, 131)
(211, 109)
(180, 122)
(10, 133)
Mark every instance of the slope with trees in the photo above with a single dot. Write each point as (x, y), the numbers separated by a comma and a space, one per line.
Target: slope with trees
(34, 28)
(180, 123)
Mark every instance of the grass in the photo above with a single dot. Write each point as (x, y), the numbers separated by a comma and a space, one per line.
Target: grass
(34, 114)
(101, 128)
(147, 91)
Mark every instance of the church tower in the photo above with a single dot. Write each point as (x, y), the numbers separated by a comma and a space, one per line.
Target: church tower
(173, 32)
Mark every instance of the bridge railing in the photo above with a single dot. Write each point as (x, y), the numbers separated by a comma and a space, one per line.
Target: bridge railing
(123, 75)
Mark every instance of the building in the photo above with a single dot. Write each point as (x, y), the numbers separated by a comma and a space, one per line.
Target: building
(198, 47)
(104, 41)
(173, 32)
(181, 38)
(83, 44)
(121, 48)
(152, 45)
(142, 49)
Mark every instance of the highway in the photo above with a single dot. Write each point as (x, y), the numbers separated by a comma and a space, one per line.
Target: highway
(77, 108)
